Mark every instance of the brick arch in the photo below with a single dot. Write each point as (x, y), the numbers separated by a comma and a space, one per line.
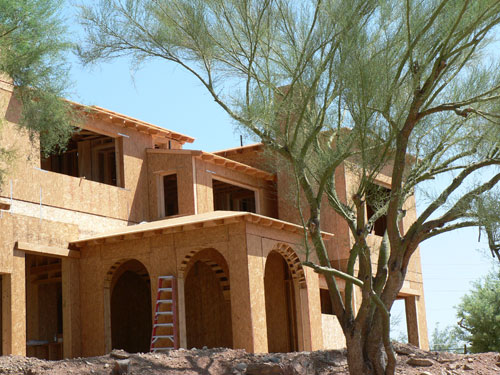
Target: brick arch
(110, 275)
(219, 267)
(293, 261)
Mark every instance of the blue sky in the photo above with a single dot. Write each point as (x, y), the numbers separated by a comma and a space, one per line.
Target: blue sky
(165, 95)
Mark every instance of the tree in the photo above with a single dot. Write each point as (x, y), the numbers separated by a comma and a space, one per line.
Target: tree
(445, 340)
(479, 314)
(32, 48)
(403, 86)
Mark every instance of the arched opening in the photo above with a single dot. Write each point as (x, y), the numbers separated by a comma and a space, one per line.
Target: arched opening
(281, 316)
(207, 300)
(130, 307)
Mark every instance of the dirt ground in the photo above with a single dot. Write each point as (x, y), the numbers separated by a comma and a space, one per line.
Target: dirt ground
(411, 360)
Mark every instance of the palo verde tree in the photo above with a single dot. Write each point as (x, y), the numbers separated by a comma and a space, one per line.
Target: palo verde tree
(32, 58)
(401, 86)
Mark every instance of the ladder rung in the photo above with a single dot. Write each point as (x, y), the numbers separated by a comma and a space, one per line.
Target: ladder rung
(171, 337)
(166, 284)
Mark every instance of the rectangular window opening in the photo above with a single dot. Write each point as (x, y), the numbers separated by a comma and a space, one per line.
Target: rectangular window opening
(170, 195)
(228, 197)
(88, 155)
(326, 303)
(376, 197)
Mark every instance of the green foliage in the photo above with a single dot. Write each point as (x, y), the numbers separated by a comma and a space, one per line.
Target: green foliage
(445, 340)
(479, 314)
(32, 47)
(407, 88)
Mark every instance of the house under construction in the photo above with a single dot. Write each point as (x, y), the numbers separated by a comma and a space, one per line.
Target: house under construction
(128, 235)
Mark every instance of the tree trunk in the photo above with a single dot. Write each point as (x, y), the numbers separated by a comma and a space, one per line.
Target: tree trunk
(366, 355)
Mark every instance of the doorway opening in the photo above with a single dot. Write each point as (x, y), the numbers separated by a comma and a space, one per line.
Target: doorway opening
(44, 315)
(208, 304)
(281, 314)
(131, 312)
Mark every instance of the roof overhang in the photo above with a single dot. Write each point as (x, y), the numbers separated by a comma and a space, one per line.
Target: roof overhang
(256, 147)
(130, 122)
(186, 223)
(219, 160)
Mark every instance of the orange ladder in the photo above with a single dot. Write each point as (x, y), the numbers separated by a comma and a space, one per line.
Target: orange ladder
(165, 325)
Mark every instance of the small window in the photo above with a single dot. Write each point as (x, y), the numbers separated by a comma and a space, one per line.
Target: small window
(326, 303)
(376, 197)
(170, 196)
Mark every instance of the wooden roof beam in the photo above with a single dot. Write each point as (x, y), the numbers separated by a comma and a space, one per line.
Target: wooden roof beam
(50, 251)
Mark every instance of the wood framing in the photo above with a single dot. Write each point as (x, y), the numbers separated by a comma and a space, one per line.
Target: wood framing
(85, 237)
(50, 251)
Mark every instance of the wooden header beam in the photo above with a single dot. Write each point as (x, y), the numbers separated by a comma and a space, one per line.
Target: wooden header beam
(50, 251)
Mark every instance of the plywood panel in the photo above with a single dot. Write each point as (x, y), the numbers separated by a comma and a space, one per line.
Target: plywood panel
(181, 164)
(257, 295)
(333, 338)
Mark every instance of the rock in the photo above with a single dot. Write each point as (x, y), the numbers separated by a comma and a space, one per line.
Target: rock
(274, 359)
(121, 367)
(423, 362)
(452, 366)
(242, 366)
(498, 363)
(425, 373)
(119, 354)
(106, 365)
(205, 348)
(470, 360)
(263, 369)
(468, 367)
(403, 350)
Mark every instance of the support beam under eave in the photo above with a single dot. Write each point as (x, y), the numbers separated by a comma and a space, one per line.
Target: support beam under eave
(49, 251)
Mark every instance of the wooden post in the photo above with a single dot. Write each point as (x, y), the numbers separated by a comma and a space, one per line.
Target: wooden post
(181, 311)
(412, 320)
(71, 308)
(14, 307)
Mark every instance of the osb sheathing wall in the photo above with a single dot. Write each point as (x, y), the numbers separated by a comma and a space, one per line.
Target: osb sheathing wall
(160, 164)
(206, 172)
(28, 183)
(12, 267)
(244, 247)
(338, 247)
(194, 183)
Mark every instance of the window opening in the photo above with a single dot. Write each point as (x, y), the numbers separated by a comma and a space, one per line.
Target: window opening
(376, 197)
(170, 195)
(229, 197)
(326, 302)
(89, 155)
